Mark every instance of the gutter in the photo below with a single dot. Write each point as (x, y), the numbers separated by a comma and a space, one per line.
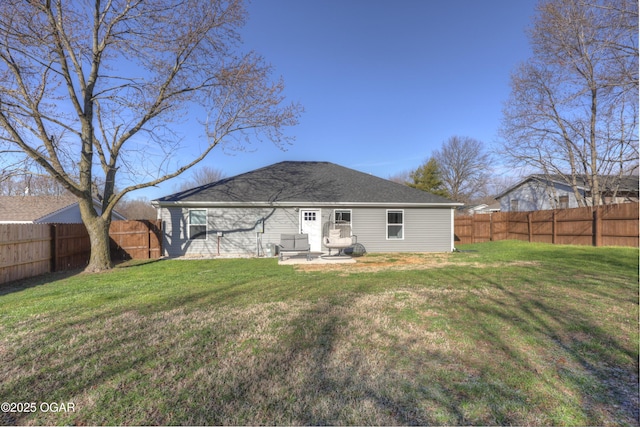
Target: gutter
(157, 204)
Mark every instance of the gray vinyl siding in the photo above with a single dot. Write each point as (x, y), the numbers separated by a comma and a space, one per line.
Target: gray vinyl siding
(282, 221)
(535, 195)
(69, 215)
(239, 228)
(425, 229)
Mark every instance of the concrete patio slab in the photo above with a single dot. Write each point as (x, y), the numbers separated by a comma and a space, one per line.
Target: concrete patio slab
(316, 258)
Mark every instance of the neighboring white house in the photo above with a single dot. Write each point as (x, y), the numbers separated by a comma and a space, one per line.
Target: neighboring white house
(242, 214)
(27, 209)
(542, 192)
(481, 208)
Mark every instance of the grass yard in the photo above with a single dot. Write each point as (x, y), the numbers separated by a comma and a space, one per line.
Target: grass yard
(503, 333)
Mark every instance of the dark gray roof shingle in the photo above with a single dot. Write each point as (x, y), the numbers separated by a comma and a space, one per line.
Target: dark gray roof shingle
(310, 182)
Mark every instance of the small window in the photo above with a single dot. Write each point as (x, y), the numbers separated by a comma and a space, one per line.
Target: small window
(310, 216)
(514, 205)
(563, 202)
(342, 216)
(198, 224)
(395, 224)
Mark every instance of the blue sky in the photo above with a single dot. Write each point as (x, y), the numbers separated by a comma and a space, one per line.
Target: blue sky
(383, 83)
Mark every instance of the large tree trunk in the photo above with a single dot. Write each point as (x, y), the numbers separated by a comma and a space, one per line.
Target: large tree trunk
(98, 229)
(59, 106)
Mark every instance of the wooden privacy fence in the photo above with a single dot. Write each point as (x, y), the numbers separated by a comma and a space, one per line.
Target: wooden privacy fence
(607, 225)
(28, 250)
(25, 250)
(135, 240)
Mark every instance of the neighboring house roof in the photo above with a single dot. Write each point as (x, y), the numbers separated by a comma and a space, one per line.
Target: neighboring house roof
(473, 208)
(290, 183)
(625, 184)
(494, 207)
(480, 208)
(36, 209)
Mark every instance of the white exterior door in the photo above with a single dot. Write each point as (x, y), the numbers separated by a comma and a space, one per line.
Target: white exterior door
(311, 224)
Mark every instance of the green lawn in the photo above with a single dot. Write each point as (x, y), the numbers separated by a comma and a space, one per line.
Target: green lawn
(502, 333)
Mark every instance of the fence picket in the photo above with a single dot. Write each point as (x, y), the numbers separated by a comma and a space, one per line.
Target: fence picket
(607, 225)
(28, 250)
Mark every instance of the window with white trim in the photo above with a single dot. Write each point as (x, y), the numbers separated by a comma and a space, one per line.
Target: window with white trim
(395, 224)
(342, 216)
(197, 224)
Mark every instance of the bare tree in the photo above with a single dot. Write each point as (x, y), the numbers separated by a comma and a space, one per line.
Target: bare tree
(22, 176)
(464, 167)
(401, 177)
(139, 208)
(96, 90)
(30, 183)
(573, 110)
(202, 176)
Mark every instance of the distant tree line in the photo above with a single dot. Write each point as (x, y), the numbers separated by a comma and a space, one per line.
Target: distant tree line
(32, 183)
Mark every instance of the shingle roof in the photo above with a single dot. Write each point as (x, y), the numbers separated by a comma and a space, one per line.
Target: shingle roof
(608, 182)
(305, 182)
(39, 208)
(624, 184)
(32, 208)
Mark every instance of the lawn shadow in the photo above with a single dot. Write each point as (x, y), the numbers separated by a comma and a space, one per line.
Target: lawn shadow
(203, 360)
(131, 263)
(316, 376)
(44, 279)
(31, 282)
(578, 352)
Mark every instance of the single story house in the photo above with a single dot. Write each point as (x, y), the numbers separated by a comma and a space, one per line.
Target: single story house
(481, 208)
(542, 192)
(27, 209)
(242, 214)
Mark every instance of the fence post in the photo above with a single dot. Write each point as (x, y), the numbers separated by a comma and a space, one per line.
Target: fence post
(530, 227)
(553, 227)
(473, 229)
(149, 231)
(490, 227)
(54, 247)
(597, 227)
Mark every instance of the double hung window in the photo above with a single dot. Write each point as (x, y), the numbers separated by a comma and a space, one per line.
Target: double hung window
(343, 216)
(395, 224)
(197, 224)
